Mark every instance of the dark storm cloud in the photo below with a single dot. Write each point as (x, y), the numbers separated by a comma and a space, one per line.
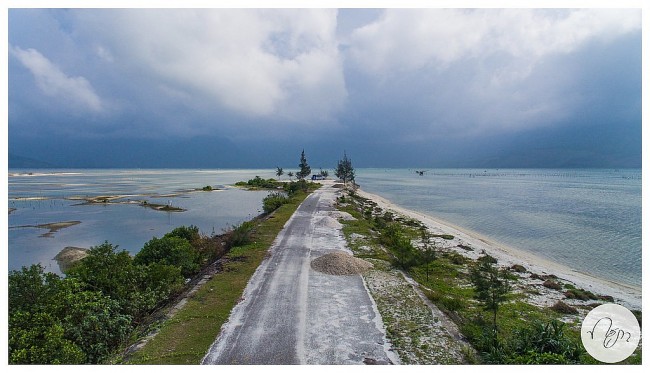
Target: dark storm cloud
(396, 87)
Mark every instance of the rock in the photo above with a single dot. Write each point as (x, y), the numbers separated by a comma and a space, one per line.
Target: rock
(69, 256)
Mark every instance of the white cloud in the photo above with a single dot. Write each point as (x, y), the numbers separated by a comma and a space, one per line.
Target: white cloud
(485, 70)
(262, 63)
(411, 39)
(71, 90)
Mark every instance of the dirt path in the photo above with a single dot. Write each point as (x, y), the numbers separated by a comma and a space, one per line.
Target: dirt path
(292, 314)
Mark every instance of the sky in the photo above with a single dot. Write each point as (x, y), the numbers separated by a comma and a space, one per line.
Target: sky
(219, 88)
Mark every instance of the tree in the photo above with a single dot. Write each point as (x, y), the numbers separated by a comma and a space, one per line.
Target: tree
(39, 339)
(114, 274)
(64, 323)
(344, 169)
(290, 174)
(305, 170)
(279, 172)
(324, 173)
(491, 286)
(428, 252)
(400, 245)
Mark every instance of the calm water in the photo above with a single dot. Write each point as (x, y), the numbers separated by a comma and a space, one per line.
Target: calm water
(128, 226)
(589, 220)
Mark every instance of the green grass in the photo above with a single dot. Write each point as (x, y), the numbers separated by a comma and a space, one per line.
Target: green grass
(185, 338)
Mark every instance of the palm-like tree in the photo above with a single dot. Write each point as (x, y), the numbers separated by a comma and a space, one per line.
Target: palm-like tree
(290, 174)
(279, 172)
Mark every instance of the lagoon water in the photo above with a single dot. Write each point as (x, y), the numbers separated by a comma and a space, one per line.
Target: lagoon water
(42, 196)
(589, 220)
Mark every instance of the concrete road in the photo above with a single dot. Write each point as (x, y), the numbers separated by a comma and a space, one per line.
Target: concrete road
(292, 314)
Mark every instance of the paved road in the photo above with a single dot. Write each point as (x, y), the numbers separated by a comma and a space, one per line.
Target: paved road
(292, 314)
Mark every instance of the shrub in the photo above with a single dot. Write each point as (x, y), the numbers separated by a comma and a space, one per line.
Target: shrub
(240, 235)
(70, 325)
(452, 303)
(444, 236)
(297, 186)
(564, 308)
(405, 255)
(544, 343)
(273, 201)
(518, 268)
(580, 294)
(191, 233)
(552, 285)
(170, 250)
(456, 258)
(539, 343)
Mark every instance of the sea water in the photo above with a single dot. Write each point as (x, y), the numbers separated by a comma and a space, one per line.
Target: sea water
(588, 220)
(50, 196)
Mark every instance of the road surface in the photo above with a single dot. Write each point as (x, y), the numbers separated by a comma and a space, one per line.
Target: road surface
(292, 314)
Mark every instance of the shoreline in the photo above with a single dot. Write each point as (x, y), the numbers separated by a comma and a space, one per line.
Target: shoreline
(627, 295)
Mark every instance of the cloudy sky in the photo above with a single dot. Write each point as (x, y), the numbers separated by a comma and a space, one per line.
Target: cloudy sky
(393, 88)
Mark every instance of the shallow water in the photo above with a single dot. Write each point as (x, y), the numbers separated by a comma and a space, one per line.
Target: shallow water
(126, 225)
(588, 220)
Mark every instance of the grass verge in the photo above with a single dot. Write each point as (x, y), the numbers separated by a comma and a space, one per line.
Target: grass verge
(186, 337)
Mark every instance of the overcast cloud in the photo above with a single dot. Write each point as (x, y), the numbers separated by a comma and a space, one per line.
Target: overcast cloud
(438, 87)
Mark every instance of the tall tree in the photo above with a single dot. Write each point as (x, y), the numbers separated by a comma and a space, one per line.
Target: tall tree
(305, 170)
(279, 172)
(290, 174)
(428, 252)
(344, 169)
(491, 286)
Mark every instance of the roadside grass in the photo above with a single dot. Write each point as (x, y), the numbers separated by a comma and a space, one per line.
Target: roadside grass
(187, 336)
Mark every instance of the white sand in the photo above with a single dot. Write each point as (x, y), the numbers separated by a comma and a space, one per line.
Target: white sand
(628, 296)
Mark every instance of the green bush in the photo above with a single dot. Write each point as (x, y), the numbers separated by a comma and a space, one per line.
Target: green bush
(544, 343)
(170, 250)
(260, 183)
(538, 343)
(240, 235)
(63, 323)
(393, 238)
(191, 233)
(273, 201)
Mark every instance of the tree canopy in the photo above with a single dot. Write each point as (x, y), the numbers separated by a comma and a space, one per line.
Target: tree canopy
(344, 169)
(305, 170)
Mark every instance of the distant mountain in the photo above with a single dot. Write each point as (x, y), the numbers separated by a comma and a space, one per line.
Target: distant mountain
(18, 161)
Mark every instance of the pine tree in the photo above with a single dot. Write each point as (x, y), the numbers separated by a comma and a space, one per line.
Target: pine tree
(491, 286)
(305, 170)
(344, 169)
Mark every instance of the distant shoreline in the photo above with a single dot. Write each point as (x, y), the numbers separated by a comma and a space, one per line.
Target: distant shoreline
(624, 294)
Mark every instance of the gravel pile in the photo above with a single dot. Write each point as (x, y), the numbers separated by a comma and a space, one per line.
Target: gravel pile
(340, 263)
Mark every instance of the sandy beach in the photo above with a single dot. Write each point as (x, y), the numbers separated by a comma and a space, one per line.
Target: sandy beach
(628, 296)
